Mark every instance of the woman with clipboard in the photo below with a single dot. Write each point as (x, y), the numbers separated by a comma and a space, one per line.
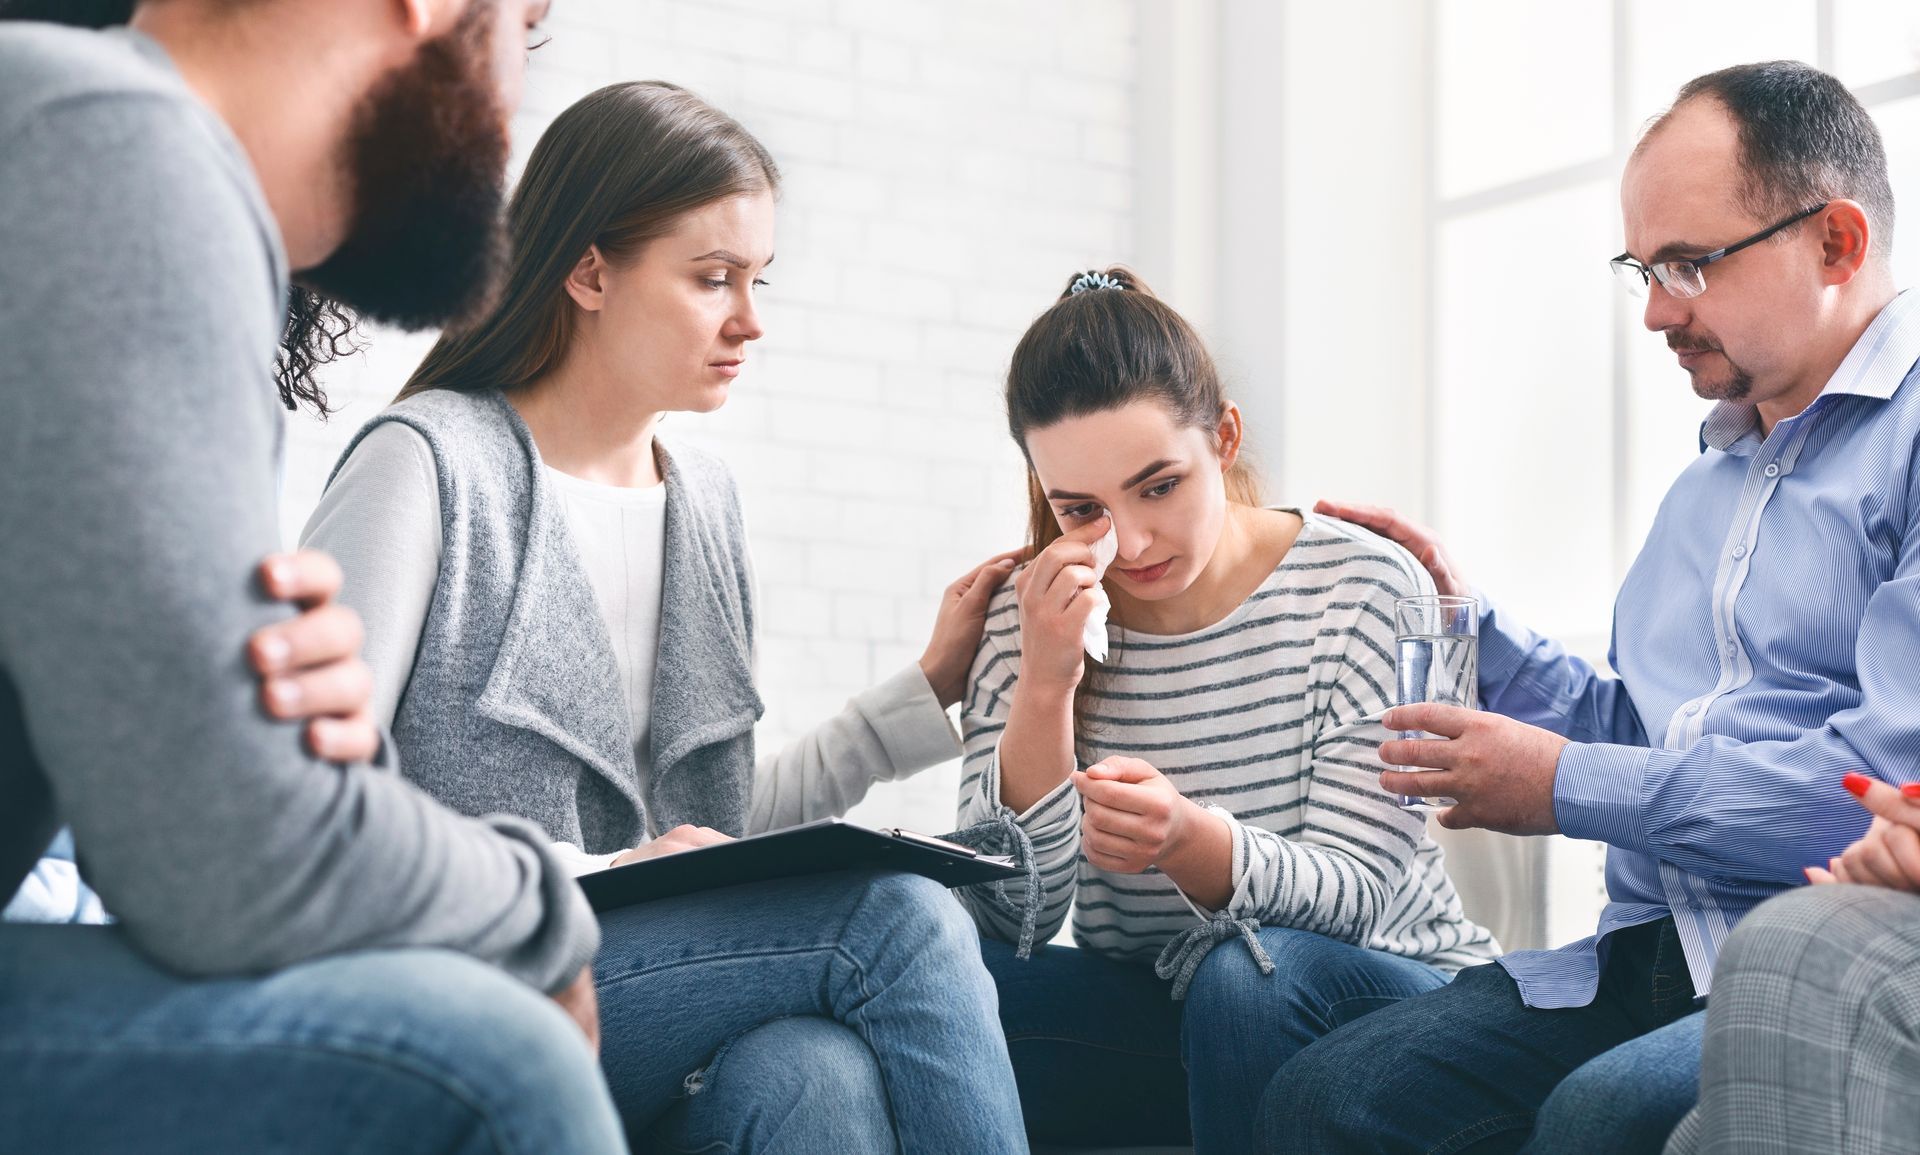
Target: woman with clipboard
(560, 620)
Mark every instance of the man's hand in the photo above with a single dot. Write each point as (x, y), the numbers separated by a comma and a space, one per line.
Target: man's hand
(1499, 772)
(581, 1005)
(1416, 539)
(1889, 853)
(672, 842)
(309, 665)
(962, 620)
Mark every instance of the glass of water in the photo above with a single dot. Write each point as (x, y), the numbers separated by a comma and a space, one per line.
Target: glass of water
(1438, 661)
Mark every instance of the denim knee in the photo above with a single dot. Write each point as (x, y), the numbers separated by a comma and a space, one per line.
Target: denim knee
(1625, 1100)
(797, 1084)
(1309, 1104)
(1230, 975)
(1227, 979)
(798, 1065)
(916, 912)
(505, 1051)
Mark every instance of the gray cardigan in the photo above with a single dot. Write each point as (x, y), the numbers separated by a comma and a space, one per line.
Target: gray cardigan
(514, 704)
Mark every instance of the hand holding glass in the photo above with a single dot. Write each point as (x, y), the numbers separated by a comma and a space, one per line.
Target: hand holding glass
(1438, 660)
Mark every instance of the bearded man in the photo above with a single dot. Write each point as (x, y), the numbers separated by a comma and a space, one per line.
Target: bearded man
(310, 955)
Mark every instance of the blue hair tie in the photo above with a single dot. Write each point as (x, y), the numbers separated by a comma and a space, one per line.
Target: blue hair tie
(1086, 281)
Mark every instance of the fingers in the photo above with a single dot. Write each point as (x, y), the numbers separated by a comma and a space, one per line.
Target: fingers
(1089, 533)
(1056, 557)
(1818, 877)
(1143, 830)
(339, 689)
(306, 577)
(351, 739)
(1116, 795)
(1869, 861)
(693, 837)
(1432, 753)
(317, 636)
(1420, 784)
(1883, 800)
(1903, 846)
(977, 588)
(1124, 769)
(1110, 853)
(582, 1005)
(1434, 718)
(1070, 583)
(1377, 518)
(674, 841)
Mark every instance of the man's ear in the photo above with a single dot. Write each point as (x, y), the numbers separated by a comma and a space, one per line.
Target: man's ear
(585, 280)
(1844, 239)
(1230, 434)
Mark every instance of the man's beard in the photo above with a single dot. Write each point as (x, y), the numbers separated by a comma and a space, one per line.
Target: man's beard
(428, 154)
(1736, 385)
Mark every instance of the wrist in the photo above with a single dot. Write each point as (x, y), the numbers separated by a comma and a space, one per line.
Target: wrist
(1199, 855)
(947, 685)
(1044, 695)
(1192, 829)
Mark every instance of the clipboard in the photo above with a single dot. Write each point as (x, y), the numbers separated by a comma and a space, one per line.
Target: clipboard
(813, 848)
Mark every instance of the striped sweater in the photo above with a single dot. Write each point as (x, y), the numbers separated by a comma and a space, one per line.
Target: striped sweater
(1271, 719)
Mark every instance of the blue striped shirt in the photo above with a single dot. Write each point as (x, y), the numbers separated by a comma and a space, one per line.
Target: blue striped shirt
(1767, 641)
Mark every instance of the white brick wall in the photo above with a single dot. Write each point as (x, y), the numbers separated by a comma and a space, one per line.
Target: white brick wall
(947, 165)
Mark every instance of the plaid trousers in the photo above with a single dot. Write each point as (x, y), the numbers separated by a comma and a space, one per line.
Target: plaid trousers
(1813, 1030)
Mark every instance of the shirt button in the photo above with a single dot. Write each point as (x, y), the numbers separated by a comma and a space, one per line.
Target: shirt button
(1739, 551)
(1733, 651)
(1773, 471)
(1693, 709)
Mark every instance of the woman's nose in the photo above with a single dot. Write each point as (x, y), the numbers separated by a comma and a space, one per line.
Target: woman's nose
(746, 321)
(1132, 538)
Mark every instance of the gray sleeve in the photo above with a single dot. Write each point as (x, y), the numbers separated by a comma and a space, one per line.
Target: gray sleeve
(889, 731)
(380, 519)
(137, 480)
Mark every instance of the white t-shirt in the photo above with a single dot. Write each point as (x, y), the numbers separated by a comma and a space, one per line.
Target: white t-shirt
(380, 518)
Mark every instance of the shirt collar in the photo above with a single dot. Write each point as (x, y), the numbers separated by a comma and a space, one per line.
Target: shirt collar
(1874, 367)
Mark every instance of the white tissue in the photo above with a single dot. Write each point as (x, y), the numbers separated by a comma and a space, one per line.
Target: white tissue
(1094, 637)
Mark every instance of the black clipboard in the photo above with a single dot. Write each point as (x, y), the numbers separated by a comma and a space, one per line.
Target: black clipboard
(814, 848)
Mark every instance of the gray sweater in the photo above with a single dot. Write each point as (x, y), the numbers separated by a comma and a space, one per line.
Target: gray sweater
(141, 287)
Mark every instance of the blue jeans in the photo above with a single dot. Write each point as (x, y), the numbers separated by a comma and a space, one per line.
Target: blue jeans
(382, 1051)
(1627, 1101)
(841, 1012)
(1469, 1066)
(803, 1084)
(1104, 1056)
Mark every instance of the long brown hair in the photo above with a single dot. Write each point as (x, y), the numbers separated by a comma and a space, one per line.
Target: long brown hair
(615, 170)
(1107, 341)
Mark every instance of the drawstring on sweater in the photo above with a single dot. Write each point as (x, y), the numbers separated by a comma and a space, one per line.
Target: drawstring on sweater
(1000, 834)
(1183, 956)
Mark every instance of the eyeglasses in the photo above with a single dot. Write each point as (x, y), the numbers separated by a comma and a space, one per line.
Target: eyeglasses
(1685, 278)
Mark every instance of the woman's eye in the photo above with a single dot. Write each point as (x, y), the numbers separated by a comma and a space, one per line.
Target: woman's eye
(1164, 488)
(1080, 512)
(714, 282)
(759, 284)
(537, 39)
